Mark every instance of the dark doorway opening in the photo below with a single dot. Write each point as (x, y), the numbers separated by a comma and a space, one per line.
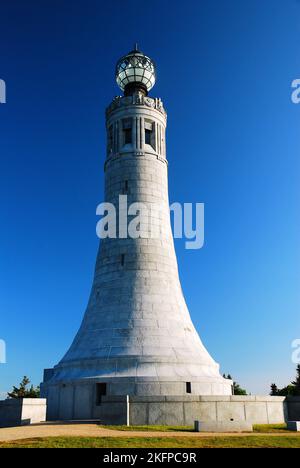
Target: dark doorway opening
(100, 392)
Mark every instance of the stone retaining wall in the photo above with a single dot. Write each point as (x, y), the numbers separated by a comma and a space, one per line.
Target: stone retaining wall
(22, 411)
(184, 410)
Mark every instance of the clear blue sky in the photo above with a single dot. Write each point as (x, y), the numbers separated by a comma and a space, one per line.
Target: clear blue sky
(224, 74)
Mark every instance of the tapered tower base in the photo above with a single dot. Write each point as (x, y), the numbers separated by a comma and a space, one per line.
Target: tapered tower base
(104, 398)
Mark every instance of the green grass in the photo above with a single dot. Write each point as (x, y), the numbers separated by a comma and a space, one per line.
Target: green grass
(255, 441)
(256, 428)
(151, 428)
(266, 428)
(270, 428)
(282, 439)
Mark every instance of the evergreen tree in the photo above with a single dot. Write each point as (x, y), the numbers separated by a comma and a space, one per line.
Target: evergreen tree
(274, 389)
(227, 377)
(288, 390)
(237, 390)
(23, 392)
(296, 382)
(292, 389)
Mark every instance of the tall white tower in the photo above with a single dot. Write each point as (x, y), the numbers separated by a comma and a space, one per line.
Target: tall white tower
(136, 336)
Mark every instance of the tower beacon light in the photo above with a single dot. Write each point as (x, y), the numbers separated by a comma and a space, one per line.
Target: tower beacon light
(135, 71)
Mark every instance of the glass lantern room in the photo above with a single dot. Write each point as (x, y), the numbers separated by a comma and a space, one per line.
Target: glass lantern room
(135, 68)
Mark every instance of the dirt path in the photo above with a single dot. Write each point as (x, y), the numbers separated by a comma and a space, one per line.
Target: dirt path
(92, 430)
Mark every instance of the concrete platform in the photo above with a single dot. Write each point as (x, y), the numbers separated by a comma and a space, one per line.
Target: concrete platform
(223, 426)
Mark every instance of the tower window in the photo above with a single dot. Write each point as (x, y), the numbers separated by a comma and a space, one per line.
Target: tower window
(100, 392)
(188, 387)
(149, 133)
(147, 136)
(110, 139)
(125, 186)
(122, 259)
(127, 131)
(127, 136)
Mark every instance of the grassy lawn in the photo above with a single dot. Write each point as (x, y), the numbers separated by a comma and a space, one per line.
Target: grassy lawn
(279, 437)
(271, 428)
(256, 428)
(157, 442)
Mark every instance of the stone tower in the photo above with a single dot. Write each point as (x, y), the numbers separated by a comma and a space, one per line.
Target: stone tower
(136, 337)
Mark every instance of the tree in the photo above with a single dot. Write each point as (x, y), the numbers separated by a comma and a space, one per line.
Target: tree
(228, 376)
(274, 389)
(292, 389)
(237, 390)
(288, 390)
(23, 392)
(296, 382)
